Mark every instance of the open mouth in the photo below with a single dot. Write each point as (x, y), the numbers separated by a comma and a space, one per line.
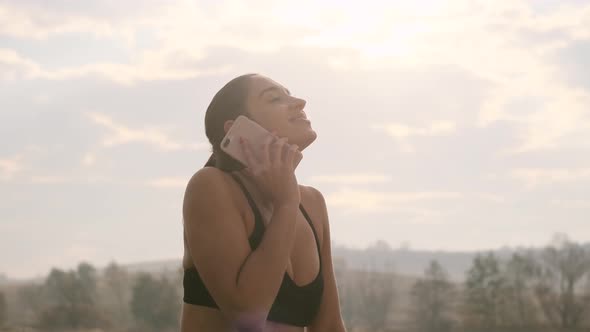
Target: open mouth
(299, 119)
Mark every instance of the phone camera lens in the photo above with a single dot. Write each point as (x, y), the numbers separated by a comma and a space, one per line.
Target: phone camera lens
(226, 142)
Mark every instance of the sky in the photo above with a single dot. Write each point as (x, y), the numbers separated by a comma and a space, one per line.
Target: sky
(442, 125)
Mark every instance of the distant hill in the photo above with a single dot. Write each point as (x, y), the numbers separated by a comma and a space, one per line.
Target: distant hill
(408, 262)
(379, 256)
(155, 267)
(3, 279)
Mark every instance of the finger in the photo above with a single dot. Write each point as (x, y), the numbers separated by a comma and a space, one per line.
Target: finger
(285, 151)
(297, 158)
(248, 172)
(276, 150)
(291, 154)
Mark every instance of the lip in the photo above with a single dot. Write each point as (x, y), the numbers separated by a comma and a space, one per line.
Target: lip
(301, 118)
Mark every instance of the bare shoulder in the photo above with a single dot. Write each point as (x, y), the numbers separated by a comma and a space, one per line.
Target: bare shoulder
(313, 196)
(207, 190)
(206, 177)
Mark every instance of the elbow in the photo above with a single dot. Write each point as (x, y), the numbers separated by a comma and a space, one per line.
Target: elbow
(247, 316)
(249, 308)
(247, 320)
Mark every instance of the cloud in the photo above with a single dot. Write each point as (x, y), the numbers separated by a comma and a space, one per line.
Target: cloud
(533, 177)
(561, 120)
(505, 43)
(575, 60)
(373, 201)
(70, 179)
(15, 67)
(18, 22)
(358, 178)
(490, 197)
(151, 66)
(406, 66)
(174, 54)
(9, 167)
(89, 159)
(168, 182)
(42, 20)
(522, 67)
(571, 203)
(476, 37)
(121, 134)
(403, 133)
(50, 179)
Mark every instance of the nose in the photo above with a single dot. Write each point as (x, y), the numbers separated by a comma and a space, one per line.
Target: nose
(298, 103)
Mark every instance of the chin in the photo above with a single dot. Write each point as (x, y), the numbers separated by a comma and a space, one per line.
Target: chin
(305, 139)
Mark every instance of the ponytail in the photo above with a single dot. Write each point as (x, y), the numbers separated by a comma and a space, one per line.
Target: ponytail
(211, 162)
(227, 104)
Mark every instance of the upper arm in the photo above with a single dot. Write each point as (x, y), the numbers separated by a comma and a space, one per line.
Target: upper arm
(328, 317)
(216, 238)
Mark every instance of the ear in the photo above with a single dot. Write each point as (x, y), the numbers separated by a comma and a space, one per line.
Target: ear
(227, 125)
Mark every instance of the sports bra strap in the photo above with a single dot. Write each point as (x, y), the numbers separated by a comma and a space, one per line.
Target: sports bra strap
(317, 240)
(259, 224)
(256, 235)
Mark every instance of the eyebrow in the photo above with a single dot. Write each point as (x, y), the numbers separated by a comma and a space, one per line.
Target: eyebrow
(271, 89)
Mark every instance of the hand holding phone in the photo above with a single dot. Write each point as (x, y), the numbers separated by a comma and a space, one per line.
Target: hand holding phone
(270, 160)
(254, 133)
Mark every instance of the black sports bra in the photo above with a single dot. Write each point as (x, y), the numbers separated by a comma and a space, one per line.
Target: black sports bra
(293, 305)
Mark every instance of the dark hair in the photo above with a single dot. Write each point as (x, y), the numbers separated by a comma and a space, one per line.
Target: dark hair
(227, 104)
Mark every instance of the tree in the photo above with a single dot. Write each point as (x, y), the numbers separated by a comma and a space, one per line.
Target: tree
(374, 297)
(365, 297)
(586, 296)
(88, 279)
(155, 303)
(520, 310)
(71, 300)
(483, 294)
(432, 298)
(345, 290)
(31, 301)
(115, 295)
(2, 309)
(559, 286)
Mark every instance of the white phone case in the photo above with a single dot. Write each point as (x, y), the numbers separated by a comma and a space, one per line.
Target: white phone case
(250, 130)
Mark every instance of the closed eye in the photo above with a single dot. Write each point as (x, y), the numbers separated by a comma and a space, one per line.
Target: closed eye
(275, 89)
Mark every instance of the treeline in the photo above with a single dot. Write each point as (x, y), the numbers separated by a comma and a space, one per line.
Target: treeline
(81, 300)
(547, 290)
(541, 290)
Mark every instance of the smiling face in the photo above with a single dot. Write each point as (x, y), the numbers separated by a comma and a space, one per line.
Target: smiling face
(272, 106)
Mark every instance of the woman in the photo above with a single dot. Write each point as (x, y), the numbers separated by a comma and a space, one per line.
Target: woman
(257, 244)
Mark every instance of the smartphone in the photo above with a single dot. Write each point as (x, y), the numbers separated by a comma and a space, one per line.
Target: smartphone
(253, 132)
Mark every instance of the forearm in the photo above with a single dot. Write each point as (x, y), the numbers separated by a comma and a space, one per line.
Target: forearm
(262, 273)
